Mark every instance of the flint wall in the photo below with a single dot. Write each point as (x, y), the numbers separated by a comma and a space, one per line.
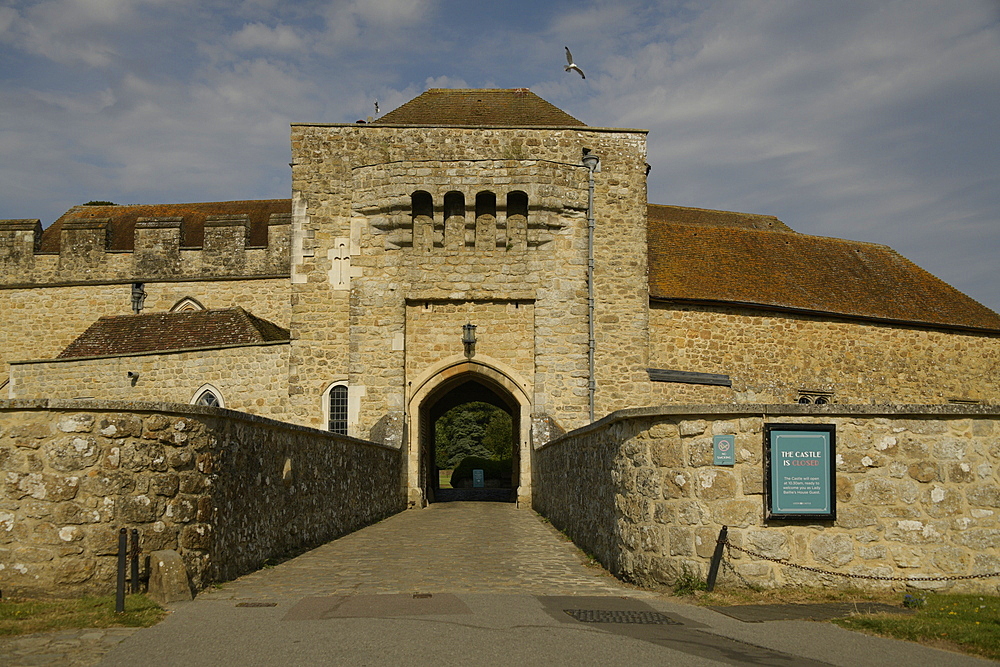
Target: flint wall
(227, 490)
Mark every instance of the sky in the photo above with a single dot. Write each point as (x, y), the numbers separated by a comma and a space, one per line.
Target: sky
(871, 121)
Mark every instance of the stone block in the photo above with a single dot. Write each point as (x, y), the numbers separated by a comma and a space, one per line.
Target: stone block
(923, 471)
(137, 509)
(752, 478)
(74, 571)
(168, 578)
(73, 454)
(986, 495)
(690, 427)
(961, 473)
(767, 543)
(197, 536)
(676, 484)
(79, 423)
(835, 550)
(681, 541)
(120, 426)
(715, 484)
(876, 491)
(739, 513)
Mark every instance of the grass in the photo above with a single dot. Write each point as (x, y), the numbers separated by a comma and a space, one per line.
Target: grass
(968, 623)
(444, 479)
(22, 617)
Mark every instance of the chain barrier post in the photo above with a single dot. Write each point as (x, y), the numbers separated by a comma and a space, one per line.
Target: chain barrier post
(122, 559)
(713, 570)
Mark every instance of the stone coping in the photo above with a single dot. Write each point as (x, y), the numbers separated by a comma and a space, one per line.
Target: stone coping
(182, 409)
(784, 410)
(162, 279)
(149, 353)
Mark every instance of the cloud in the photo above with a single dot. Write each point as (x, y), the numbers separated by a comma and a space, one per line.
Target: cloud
(259, 37)
(860, 120)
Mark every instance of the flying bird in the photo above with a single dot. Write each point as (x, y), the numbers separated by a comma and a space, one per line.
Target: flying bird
(572, 65)
(376, 106)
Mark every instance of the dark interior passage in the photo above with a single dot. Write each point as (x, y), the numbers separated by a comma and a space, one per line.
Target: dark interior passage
(440, 415)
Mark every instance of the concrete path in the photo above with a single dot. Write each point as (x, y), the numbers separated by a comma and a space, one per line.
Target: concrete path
(474, 583)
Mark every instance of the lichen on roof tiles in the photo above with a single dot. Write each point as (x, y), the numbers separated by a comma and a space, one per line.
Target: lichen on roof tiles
(122, 220)
(515, 107)
(163, 332)
(719, 257)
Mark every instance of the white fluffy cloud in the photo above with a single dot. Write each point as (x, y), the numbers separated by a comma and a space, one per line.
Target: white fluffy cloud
(873, 121)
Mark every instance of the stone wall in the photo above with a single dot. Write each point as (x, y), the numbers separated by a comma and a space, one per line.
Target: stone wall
(771, 357)
(362, 259)
(158, 254)
(248, 378)
(40, 321)
(917, 494)
(227, 490)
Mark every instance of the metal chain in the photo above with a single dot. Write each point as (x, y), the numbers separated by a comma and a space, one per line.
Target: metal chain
(727, 564)
(781, 561)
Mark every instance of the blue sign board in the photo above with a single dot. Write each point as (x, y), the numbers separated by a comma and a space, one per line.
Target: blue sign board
(724, 447)
(801, 471)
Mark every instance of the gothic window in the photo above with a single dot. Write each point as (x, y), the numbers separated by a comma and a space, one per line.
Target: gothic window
(337, 409)
(186, 304)
(815, 397)
(208, 395)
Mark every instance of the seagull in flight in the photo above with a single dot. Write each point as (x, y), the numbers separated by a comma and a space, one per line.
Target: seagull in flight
(376, 106)
(572, 65)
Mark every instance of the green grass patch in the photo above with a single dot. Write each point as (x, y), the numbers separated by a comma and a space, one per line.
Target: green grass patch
(23, 617)
(444, 479)
(970, 623)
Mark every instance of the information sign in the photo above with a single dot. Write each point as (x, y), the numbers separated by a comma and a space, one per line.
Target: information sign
(478, 479)
(724, 450)
(800, 462)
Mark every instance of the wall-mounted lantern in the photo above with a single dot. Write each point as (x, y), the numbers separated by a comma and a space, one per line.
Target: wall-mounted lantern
(469, 337)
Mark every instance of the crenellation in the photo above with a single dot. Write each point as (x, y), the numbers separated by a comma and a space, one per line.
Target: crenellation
(19, 242)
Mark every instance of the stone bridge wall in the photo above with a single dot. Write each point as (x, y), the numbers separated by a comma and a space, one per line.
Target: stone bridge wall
(917, 494)
(227, 490)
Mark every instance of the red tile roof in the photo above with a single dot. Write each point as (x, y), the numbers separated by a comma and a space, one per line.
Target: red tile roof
(123, 218)
(729, 258)
(162, 332)
(516, 107)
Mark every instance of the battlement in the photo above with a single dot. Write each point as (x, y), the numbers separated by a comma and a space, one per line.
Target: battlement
(129, 246)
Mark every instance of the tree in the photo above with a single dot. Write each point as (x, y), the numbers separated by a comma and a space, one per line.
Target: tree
(100, 202)
(472, 429)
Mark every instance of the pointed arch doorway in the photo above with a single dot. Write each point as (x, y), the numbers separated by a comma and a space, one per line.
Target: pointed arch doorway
(455, 383)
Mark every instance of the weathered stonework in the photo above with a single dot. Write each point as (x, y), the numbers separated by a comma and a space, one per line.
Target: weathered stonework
(771, 357)
(173, 377)
(41, 321)
(228, 491)
(917, 495)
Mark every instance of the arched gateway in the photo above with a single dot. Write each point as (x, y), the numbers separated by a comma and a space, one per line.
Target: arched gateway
(454, 382)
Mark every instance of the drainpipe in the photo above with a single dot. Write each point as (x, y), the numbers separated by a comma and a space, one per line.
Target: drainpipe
(591, 162)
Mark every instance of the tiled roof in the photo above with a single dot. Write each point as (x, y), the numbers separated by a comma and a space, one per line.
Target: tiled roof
(516, 107)
(704, 216)
(161, 332)
(710, 262)
(123, 218)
